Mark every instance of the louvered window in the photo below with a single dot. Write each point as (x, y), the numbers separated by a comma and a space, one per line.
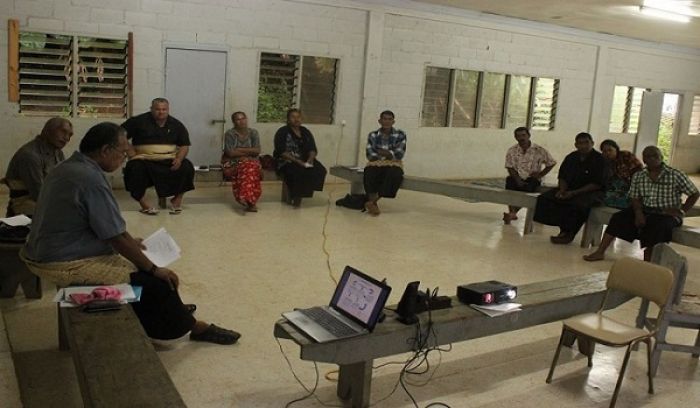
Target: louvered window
(626, 107)
(72, 76)
(102, 77)
(544, 109)
(460, 98)
(293, 81)
(45, 74)
(695, 117)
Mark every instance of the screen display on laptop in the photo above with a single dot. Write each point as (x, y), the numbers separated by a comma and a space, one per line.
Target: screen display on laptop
(360, 297)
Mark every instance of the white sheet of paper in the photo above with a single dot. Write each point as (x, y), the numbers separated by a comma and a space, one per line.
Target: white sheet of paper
(17, 220)
(497, 309)
(161, 248)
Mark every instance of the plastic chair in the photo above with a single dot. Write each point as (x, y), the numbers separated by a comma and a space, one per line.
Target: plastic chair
(637, 278)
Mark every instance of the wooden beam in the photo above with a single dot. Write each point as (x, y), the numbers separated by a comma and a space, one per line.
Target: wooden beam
(13, 60)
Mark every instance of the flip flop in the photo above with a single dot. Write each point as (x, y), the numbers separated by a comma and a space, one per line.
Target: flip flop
(149, 211)
(175, 210)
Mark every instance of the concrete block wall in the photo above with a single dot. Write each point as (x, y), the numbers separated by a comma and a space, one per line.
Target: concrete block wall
(383, 49)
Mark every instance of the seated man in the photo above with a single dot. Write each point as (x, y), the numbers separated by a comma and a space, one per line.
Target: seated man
(158, 157)
(79, 237)
(527, 163)
(383, 173)
(32, 162)
(656, 206)
(581, 178)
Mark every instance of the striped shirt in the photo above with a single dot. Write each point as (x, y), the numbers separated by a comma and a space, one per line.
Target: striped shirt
(395, 142)
(663, 193)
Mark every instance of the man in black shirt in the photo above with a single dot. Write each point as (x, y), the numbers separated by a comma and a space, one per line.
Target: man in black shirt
(580, 188)
(157, 157)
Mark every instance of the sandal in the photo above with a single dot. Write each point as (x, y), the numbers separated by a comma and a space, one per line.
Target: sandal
(175, 210)
(149, 211)
(216, 334)
(190, 308)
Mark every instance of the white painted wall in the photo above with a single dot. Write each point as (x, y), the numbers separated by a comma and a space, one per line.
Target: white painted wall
(383, 49)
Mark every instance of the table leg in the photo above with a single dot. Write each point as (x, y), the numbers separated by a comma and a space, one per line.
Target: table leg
(355, 382)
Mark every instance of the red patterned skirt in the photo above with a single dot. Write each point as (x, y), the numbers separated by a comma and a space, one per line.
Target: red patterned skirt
(245, 176)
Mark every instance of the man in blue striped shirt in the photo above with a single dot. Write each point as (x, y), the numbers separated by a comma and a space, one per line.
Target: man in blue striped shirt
(383, 173)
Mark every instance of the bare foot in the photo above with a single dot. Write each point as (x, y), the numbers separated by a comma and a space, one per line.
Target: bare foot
(595, 256)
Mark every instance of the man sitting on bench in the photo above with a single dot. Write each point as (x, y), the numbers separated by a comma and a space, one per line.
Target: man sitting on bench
(383, 173)
(656, 206)
(527, 163)
(32, 162)
(581, 178)
(79, 237)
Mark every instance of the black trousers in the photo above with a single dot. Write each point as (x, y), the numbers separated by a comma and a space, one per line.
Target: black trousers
(160, 311)
(139, 175)
(531, 184)
(569, 215)
(383, 180)
(302, 181)
(658, 227)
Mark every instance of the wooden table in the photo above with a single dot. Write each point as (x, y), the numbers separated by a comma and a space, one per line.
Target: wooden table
(543, 302)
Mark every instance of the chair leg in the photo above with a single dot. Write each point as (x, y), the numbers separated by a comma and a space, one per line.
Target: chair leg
(621, 376)
(556, 356)
(651, 369)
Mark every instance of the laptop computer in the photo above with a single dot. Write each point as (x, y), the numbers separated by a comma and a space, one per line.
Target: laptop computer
(354, 309)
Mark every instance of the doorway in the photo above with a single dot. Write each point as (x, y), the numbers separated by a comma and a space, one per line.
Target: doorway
(195, 85)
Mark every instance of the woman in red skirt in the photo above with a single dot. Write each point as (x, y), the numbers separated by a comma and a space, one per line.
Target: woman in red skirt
(240, 162)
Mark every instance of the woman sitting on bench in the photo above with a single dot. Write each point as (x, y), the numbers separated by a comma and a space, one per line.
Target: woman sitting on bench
(79, 237)
(622, 165)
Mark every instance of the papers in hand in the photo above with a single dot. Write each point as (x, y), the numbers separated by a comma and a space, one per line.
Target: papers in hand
(129, 293)
(497, 309)
(308, 165)
(17, 220)
(161, 248)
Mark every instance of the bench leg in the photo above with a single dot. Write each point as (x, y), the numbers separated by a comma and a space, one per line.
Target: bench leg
(31, 286)
(62, 338)
(592, 234)
(529, 215)
(357, 187)
(354, 382)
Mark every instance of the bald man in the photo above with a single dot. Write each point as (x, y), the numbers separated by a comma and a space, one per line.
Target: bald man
(32, 162)
(656, 209)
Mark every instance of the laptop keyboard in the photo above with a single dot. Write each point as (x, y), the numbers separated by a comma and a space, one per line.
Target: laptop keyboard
(328, 322)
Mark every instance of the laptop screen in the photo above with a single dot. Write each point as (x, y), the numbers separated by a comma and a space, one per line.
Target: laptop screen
(360, 297)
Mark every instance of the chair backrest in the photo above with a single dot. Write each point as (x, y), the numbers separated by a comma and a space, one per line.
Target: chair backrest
(640, 278)
(664, 255)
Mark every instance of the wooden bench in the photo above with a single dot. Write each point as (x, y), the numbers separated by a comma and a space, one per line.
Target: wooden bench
(13, 273)
(115, 362)
(543, 302)
(451, 189)
(599, 217)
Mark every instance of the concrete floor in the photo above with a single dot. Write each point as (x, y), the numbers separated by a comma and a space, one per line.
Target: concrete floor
(244, 269)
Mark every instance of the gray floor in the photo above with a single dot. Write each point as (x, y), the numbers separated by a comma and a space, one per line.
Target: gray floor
(244, 269)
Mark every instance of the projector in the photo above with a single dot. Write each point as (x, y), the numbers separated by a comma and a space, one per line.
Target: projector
(486, 293)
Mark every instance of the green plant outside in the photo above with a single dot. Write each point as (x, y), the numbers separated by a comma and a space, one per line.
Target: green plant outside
(665, 139)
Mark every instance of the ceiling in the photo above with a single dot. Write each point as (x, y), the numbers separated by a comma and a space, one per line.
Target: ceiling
(617, 17)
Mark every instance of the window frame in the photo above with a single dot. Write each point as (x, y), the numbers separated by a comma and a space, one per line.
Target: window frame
(72, 84)
(448, 120)
(298, 83)
(626, 117)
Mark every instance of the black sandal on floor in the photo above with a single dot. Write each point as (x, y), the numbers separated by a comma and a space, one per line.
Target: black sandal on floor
(190, 308)
(216, 334)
